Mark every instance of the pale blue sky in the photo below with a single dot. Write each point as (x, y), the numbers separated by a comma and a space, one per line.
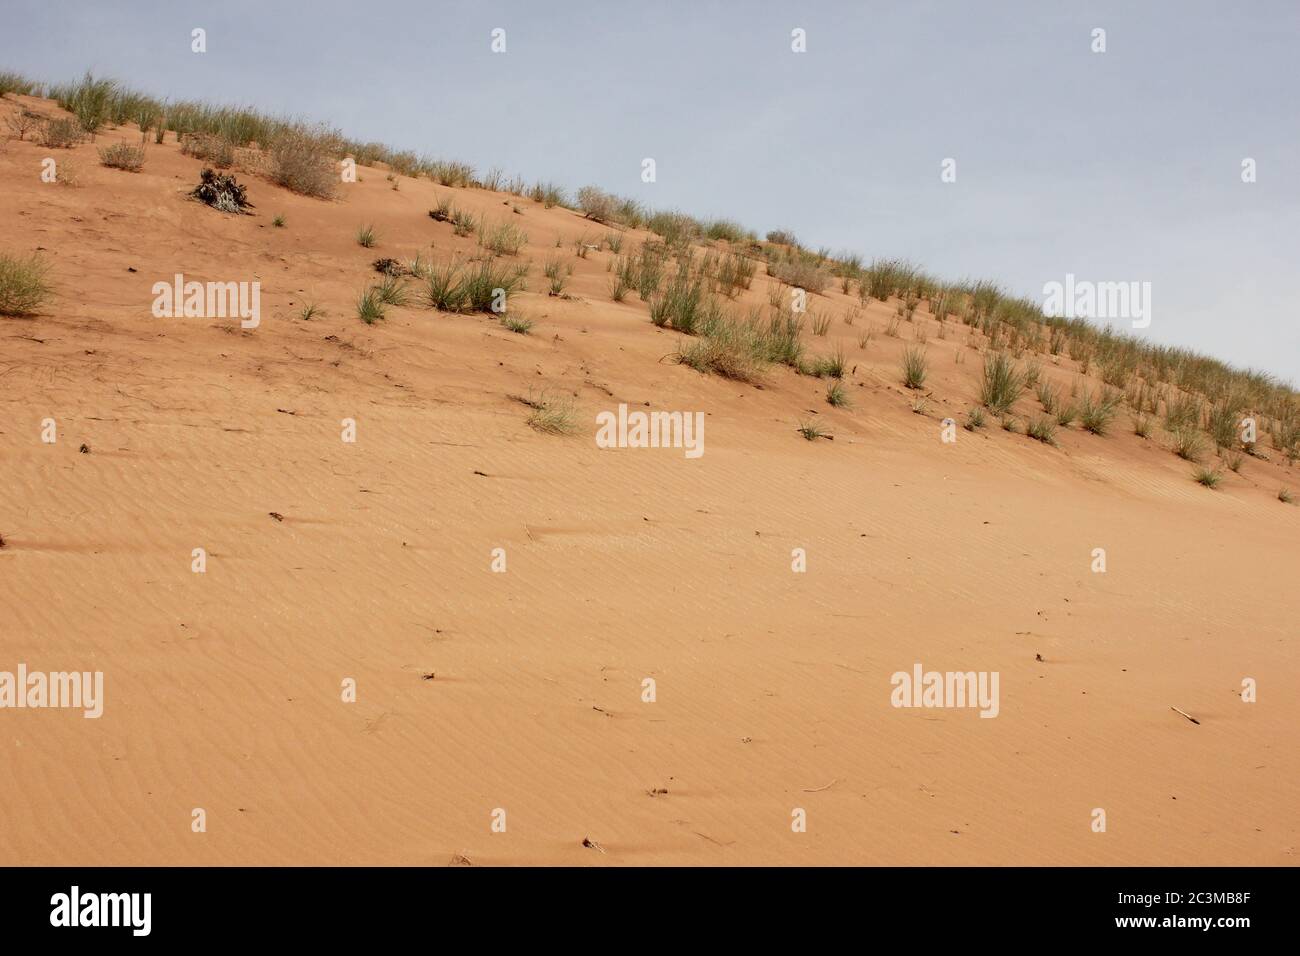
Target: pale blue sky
(1115, 166)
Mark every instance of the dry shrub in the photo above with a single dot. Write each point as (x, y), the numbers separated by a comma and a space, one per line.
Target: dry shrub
(123, 156)
(212, 149)
(302, 160)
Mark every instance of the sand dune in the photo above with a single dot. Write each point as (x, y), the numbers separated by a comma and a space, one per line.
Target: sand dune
(523, 690)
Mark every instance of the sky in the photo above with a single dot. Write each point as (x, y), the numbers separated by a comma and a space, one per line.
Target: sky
(1123, 165)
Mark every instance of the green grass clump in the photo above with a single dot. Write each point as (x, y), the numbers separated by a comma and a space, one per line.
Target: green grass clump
(1000, 383)
(1096, 411)
(684, 304)
(1207, 477)
(367, 237)
(370, 307)
(974, 419)
(914, 367)
(836, 395)
(812, 430)
(23, 284)
(503, 239)
(1188, 443)
(516, 325)
(1043, 430)
(485, 286)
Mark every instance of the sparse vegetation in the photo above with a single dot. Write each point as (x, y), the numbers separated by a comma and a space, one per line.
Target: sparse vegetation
(1043, 430)
(503, 239)
(914, 367)
(1207, 477)
(1096, 411)
(366, 237)
(370, 307)
(24, 284)
(552, 416)
(123, 156)
(215, 150)
(302, 159)
(836, 394)
(1188, 443)
(812, 430)
(484, 286)
(1000, 384)
(519, 326)
(974, 419)
(61, 134)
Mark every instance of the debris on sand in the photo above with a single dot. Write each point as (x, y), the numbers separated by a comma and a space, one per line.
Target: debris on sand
(221, 192)
(1185, 714)
(591, 844)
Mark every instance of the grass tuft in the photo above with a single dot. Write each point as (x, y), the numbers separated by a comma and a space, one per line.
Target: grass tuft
(23, 284)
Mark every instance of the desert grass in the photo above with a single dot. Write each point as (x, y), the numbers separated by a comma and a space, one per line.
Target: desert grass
(519, 326)
(278, 222)
(552, 416)
(1142, 426)
(1284, 495)
(309, 312)
(304, 158)
(122, 156)
(915, 367)
(503, 239)
(1043, 430)
(1207, 477)
(742, 350)
(367, 237)
(685, 303)
(212, 149)
(820, 323)
(482, 286)
(391, 290)
(370, 307)
(974, 419)
(558, 273)
(1234, 462)
(1188, 443)
(812, 430)
(1096, 411)
(24, 284)
(836, 395)
(1000, 383)
(18, 84)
